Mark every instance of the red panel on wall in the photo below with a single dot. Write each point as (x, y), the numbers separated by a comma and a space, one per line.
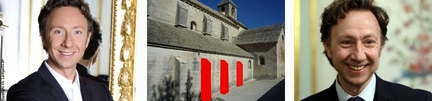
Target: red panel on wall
(239, 74)
(224, 78)
(206, 93)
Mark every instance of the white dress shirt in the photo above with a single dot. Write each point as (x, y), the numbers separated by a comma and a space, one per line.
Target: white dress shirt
(367, 94)
(71, 89)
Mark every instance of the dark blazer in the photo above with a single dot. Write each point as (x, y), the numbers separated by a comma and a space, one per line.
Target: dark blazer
(384, 91)
(83, 71)
(42, 86)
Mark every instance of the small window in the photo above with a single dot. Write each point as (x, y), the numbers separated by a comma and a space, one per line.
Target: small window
(193, 25)
(232, 11)
(224, 33)
(182, 14)
(207, 26)
(250, 64)
(223, 9)
(282, 37)
(262, 60)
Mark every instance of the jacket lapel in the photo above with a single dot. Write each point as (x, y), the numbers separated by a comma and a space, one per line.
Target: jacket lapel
(382, 92)
(86, 93)
(54, 87)
(332, 93)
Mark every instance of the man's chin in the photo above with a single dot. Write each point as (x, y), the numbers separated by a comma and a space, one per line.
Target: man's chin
(66, 64)
(357, 81)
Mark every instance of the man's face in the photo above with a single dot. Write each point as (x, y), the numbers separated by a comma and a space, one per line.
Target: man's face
(355, 47)
(67, 37)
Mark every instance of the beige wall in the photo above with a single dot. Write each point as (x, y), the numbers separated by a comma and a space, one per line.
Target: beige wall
(101, 11)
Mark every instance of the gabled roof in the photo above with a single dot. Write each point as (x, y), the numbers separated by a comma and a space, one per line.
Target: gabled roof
(160, 34)
(227, 1)
(263, 34)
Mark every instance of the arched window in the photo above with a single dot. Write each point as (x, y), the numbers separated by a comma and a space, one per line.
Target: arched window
(193, 26)
(282, 37)
(261, 60)
(250, 64)
(232, 11)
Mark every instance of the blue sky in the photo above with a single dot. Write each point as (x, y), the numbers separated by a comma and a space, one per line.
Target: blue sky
(255, 13)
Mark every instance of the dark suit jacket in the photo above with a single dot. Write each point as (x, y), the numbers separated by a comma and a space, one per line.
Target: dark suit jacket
(83, 71)
(384, 91)
(42, 86)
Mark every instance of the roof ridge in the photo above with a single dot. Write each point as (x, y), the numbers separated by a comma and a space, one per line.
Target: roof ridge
(227, 1)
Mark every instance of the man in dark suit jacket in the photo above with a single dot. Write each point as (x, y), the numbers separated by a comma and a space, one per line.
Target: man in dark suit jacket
(42, 86)
(353, 34)
(385, 91)
(83, 71)
(65, 27)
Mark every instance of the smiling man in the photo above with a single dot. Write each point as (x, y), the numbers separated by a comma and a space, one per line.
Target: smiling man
(65, 28)
(353, 34)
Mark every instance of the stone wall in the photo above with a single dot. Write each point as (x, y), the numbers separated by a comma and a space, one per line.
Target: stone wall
(273, 54)
(166, 11)
(281, 55)
(169, 72)
(269, 69)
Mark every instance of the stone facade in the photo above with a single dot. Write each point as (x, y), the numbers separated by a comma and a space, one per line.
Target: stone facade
(177, 40)
(268, 47)
(165, 10)
(169, 71)
(280, 51)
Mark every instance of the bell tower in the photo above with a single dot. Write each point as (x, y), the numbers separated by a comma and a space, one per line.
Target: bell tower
(228, 8)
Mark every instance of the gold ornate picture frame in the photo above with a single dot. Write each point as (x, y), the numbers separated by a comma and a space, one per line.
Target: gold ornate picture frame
(122, 46)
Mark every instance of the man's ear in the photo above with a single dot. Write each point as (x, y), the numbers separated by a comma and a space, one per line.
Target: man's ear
(381, 47)
(44, 39)
(327, 49)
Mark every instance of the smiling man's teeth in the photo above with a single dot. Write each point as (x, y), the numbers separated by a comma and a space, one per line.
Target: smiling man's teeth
(66, 53)
(356, 67)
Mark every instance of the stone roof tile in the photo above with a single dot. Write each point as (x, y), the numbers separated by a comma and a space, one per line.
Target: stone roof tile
(162, 34)
(260, 35)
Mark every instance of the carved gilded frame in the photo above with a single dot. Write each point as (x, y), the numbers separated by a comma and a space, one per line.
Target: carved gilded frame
(122, 46)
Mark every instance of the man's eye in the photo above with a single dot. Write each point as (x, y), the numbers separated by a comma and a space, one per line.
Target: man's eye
(346, 42)
(58, 32)
(78, 32)
(370, 42)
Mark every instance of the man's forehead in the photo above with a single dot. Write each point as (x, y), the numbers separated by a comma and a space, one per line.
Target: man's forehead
(66, 17)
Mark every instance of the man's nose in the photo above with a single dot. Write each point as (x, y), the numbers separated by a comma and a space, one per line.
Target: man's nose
(358, 53)
(68, 41)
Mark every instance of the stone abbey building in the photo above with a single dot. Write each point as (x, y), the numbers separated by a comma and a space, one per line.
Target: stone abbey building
(194, 51)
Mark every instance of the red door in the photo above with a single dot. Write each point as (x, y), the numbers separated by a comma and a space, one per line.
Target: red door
(224, 78)
(239, 74)
(205, 80)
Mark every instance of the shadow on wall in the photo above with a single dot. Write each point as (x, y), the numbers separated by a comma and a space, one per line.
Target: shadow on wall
(188, 95)
(168, 90)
